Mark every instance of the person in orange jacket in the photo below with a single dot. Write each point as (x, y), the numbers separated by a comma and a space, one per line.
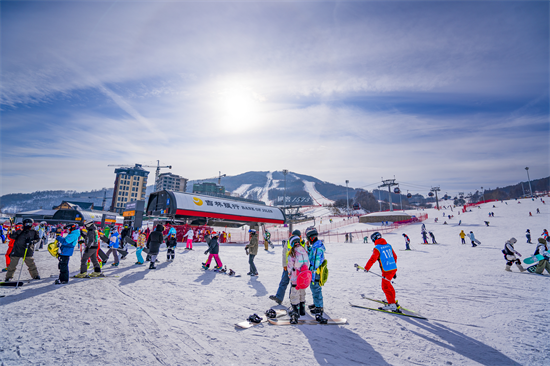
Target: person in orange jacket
(387, 259)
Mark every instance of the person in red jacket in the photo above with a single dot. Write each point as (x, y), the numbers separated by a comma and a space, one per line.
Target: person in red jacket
(387, 259)
(10, 245)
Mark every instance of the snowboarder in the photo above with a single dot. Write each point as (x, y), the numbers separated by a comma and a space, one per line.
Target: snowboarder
(23, 241)
(407, 241)
(297, 259)
(528, 236)
(510, 255)
(462, 236)
(316, 250)
(252, 249)
(171, 244)
(366, 239)
(89, 232)
(66, 249)
(153, 244)
(542, 249)
(283, 284)
(189, 235)
(433, 237)
(213, 249)
(387, 259)
(473, 239)
(486, 223)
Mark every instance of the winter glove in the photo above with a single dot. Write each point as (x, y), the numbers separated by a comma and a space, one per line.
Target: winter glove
(206, 252)
(519, 255)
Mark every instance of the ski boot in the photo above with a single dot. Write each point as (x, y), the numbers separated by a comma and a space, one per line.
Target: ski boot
(508, 268)
(302, 308)
(59, 282)
(36, 278)
(317, 311)
(276, 299)
(254, 318)
(4, 269)
(82, 275)
(311, 307)
(205, 267)
(319, 318)
(152, 265)
(389, 307)
(139, 263)
(97, 274)
(294, 314)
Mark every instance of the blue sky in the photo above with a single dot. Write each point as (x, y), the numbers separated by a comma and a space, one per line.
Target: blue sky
(454, 94)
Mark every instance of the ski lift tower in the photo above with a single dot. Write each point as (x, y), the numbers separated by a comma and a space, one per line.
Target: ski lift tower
(435, 190)
(388, 183)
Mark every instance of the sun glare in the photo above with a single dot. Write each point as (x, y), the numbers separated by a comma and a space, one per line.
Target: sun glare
(239, 109)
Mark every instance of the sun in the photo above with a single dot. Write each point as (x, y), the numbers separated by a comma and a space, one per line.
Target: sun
(239, 109)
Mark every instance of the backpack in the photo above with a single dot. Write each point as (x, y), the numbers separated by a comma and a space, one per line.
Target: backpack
(53, 248)
(304, 278)
(323, 273)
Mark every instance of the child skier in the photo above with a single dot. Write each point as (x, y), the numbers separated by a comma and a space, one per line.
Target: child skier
(213, 249)
(424, 236)
(387, 259)
(407, 242)
(528, 236)
(316, 250)
(66, 249)
(510, 255)
(297, 259)
(114, 243)
(462, 236)
(140, 244)
(171, 244)
(267, 241)
(433, 237)
(189, 235)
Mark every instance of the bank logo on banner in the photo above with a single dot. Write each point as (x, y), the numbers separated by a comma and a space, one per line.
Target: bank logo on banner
(197, 201)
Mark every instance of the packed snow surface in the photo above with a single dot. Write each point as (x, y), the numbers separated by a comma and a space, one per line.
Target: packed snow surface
(178, 314)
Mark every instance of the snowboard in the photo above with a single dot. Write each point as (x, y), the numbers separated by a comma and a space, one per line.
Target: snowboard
(11, 283)
(402, 313)
(246, 324)
(336, 321)
(533, 259)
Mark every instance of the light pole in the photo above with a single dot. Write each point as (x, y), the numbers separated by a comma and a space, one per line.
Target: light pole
(347, 197)
(285, 172)
(529, 179)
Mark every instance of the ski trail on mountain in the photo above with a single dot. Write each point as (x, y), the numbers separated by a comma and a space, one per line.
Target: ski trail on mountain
(317, 197)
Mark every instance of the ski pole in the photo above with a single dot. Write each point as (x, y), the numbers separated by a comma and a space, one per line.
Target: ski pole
(24, 256)
(358, 267)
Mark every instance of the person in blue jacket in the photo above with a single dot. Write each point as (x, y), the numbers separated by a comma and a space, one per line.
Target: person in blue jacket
(316, 254)
(114, 243)
(66, 249)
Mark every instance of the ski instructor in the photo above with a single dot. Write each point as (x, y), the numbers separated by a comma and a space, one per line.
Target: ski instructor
(387, 259)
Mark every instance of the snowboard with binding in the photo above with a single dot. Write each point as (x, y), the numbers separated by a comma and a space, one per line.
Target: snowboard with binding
(248, 324)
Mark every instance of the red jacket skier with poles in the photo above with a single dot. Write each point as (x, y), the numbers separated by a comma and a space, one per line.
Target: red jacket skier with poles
(387, 259)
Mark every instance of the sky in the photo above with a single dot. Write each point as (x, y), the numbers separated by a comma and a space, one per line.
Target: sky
(449, 94)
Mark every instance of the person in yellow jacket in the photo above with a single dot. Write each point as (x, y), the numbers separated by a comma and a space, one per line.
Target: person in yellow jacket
(462, 236)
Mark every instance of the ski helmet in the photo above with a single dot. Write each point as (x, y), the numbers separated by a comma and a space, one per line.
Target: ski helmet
(70, 227)
(294, 240)
(27, 223)
(252, 231)
(375, 236)
(297, 233)
(311, 232)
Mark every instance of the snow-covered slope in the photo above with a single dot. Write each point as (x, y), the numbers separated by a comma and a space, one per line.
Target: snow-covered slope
(478, 313)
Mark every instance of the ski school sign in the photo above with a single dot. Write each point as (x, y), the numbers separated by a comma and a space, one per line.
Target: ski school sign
(185, 205)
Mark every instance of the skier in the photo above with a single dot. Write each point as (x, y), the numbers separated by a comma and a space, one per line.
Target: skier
(114, 243)
(11, 242)
(462, 236)
(252, 249)
(407, 241)
(528, 236)
(433, 237)
(66, 249)
(424, 237)
(124, 236)
(89, 232)
(387, 259)
(346, 238)
(297, 258)
(23, 247)
(366, 239)
(213, 249)
(510, 255)
(171, 244)
(42, 235)
(153, 244)
(545, 235)
(283, 284)
(189, 235)
(486, 223)
(538, 211)
(542, 249)
(316, 254)
(473, 239)
(142, 239)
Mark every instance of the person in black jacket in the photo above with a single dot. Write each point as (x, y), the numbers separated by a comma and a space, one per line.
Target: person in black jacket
(124, 236)
(171, 244)
(23, 247)
(213, 249)
(90, 251)
(153, 244)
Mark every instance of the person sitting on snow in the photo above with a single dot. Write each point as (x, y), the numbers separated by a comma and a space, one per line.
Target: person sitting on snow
(542, 249)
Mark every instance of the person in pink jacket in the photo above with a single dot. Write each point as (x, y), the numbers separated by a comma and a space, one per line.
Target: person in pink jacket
(297, 259)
